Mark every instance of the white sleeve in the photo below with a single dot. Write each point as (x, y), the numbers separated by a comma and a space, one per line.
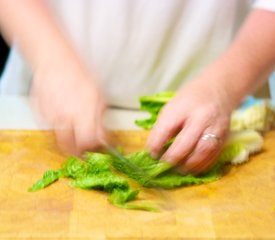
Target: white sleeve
(265, 4)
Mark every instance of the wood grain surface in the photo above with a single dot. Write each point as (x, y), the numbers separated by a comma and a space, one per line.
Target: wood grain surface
(241, 205)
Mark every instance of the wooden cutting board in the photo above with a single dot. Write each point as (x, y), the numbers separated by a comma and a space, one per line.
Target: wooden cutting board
(240, 205)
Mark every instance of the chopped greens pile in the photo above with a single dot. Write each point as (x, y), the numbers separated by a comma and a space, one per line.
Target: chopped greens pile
(105, 172)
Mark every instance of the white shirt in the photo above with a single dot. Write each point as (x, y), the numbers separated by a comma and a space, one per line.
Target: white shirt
(140, 47)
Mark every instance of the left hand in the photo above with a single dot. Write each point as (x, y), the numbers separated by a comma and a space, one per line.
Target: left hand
(202, 107)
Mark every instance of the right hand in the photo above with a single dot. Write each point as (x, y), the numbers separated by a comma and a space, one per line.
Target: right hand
(67, 97)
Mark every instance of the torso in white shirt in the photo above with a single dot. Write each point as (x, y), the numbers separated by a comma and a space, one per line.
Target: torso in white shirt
(141, 47)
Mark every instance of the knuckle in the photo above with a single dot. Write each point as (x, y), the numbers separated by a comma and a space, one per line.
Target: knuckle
(163, 124)
(209, 110)
(210, 147)
(171, 111)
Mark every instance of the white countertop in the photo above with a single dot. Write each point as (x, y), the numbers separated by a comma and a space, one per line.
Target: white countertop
(16, 113)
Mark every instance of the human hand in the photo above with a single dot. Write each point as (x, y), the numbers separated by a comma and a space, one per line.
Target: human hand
(202, 107)
(67, 97)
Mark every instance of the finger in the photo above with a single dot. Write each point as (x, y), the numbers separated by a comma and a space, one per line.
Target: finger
(184, 143)
(65, 137)
(205, 154)
(166, 127)
(201, 158)
(86, 139)
(88, 132)
(101, 131)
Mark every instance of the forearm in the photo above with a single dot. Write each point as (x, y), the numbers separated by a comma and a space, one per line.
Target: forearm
(250, 58)
(31, 27)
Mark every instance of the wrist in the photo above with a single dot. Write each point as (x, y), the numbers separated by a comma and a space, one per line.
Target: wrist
(237, 75)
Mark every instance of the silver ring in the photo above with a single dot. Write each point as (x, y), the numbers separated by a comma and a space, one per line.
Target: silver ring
(209, 136)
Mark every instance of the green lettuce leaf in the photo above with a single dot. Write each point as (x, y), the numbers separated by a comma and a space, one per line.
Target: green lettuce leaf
(152, 104)
(48, 178)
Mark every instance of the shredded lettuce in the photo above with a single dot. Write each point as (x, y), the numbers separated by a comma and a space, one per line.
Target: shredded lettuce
(48, 178)
(103, 172)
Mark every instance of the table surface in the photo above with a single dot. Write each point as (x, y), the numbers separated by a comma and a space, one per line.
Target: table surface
(240, 205)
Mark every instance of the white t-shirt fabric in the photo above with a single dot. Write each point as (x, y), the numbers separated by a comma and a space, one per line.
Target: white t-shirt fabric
(265, 4)
(141, 47)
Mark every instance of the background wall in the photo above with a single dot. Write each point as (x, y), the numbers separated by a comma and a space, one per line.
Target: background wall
(3, 53)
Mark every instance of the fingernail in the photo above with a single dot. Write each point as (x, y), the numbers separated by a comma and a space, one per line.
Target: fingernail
(166, 158)
(154, 155)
